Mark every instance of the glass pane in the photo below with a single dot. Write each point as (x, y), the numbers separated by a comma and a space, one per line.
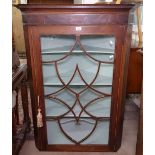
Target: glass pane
(77, 132)
(77, 79)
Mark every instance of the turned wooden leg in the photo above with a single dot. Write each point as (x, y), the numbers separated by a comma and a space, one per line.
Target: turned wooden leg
(16, 108)
(13, 123)
(24, 96)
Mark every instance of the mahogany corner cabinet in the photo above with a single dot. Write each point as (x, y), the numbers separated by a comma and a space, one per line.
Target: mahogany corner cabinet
(77, 59)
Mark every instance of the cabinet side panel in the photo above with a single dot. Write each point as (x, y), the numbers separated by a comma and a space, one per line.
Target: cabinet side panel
(125, 60)
(117, 104)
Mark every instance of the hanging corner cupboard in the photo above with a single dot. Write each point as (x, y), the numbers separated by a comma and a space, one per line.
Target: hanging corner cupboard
(77, 58)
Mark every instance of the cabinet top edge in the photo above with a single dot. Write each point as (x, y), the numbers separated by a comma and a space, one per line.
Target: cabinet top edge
(33, 7)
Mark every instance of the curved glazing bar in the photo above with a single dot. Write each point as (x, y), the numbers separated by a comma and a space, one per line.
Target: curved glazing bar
(77, 76)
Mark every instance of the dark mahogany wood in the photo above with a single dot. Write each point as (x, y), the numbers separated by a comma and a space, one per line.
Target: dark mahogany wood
(75, 14)
(135, 71)
(94, 19)
(51, 1)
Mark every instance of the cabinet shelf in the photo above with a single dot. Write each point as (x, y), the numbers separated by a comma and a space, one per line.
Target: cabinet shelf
(63, 51)
(60, 90)
(54, 81)
(52, 118)
(77, 55)
(104, 76)
(76, 84)
(97, 44)
(98, 108)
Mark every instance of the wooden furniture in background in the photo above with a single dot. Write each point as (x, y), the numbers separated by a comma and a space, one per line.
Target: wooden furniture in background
(19, 129)
(100, 27)
(135, 71)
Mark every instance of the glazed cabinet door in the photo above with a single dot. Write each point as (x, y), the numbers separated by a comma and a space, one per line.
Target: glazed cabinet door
(77, 77)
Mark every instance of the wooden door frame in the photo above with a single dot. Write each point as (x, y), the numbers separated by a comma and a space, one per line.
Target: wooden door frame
(116, 120)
